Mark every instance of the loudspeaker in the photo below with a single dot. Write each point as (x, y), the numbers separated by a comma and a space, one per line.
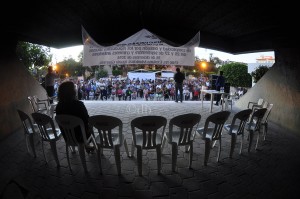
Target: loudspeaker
(227, 88)
(213, 79)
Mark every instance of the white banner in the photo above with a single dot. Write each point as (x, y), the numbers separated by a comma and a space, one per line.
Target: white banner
(141, 48)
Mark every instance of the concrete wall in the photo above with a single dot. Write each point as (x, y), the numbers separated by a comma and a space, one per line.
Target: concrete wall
(280, 86)
(16, 84)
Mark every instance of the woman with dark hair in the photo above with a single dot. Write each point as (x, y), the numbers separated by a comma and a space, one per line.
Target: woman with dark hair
(69, 104)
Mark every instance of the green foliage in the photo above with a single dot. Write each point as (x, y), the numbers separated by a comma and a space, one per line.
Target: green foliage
(70, 66)
(102, 73)
(33, 54)
(117, 72)
(237, 74)
(259, 72)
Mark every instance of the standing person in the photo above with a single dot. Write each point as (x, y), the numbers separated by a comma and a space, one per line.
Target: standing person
(49, 82)
(220, 82)
(178, 77)
(70, 105)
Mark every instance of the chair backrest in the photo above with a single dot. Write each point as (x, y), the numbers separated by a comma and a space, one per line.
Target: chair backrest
(105, 125)
(149, 125)
(26, 122)
(239, 121)
(46, 126)
(37, 100)
(265, 118)
(217, 120)
(260, 101)
(256, 118)
(33, 104)
(187, 124)
(68, 125)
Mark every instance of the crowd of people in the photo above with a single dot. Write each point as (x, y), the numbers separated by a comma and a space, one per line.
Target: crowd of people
(115, 89)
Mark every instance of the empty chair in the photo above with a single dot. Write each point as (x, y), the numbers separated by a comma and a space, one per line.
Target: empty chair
(212, 131)
(69, 125)
(254, 124)
(48, 132)
(29, 130)
(182, 129)
(264, 121)
(236, 127)
(259, 103)
(42, 104)
(226, 100)
(35, 107)
(147, 133)
(110, 136)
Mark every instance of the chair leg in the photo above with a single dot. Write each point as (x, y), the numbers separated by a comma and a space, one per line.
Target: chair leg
(207, 151)
(31, 142)
(54, 151)
(132, 149)
(265, 126)
(99, 159)
(191, 155)
(250, 140)
(117, 158)
(82, 156)
(126, 147)
(242, 141)
(257, 139)
(139, 159)
(163, 143)
(44, 151)
(174, 155)
(232, 146)
(158, 152)
(68, 157)
(219, 151)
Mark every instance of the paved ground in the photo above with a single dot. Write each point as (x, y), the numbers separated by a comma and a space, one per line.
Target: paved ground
(270, 172)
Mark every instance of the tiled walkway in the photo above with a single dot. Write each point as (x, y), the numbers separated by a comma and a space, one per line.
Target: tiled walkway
(271, 172)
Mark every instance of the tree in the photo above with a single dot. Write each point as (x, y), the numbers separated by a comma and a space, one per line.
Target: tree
(237, 74)
(259, 72)
(117, 72)
(71, 67)
(33, 56)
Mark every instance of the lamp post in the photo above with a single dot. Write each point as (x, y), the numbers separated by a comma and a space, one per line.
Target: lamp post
(203, 64)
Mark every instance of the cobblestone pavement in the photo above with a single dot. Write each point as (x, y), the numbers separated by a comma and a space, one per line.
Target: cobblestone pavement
(270, 172)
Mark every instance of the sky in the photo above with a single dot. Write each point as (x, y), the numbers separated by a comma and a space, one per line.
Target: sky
(73, 52)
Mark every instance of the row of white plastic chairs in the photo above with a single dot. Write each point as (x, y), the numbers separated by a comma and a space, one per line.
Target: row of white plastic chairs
(148, 132)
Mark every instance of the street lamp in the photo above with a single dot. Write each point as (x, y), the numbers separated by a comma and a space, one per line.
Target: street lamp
(203, 64)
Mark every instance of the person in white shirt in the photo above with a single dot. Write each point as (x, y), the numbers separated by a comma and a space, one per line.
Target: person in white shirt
(50, 81)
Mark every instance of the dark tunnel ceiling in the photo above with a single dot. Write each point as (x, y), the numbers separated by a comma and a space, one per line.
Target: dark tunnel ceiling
(233, 26)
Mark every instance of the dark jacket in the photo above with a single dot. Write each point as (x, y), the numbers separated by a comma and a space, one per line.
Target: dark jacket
(179, 77)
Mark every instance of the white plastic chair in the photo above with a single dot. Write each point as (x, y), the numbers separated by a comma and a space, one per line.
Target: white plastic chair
(147, 133)
(236, 128)
(264, 121)
(226, 101)
(212, 132)
(182, 129)
(257, 104)
(110, 136)
(42, 104)
(29, 130)
(68, 125)
(254, 125)
(48, 132)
